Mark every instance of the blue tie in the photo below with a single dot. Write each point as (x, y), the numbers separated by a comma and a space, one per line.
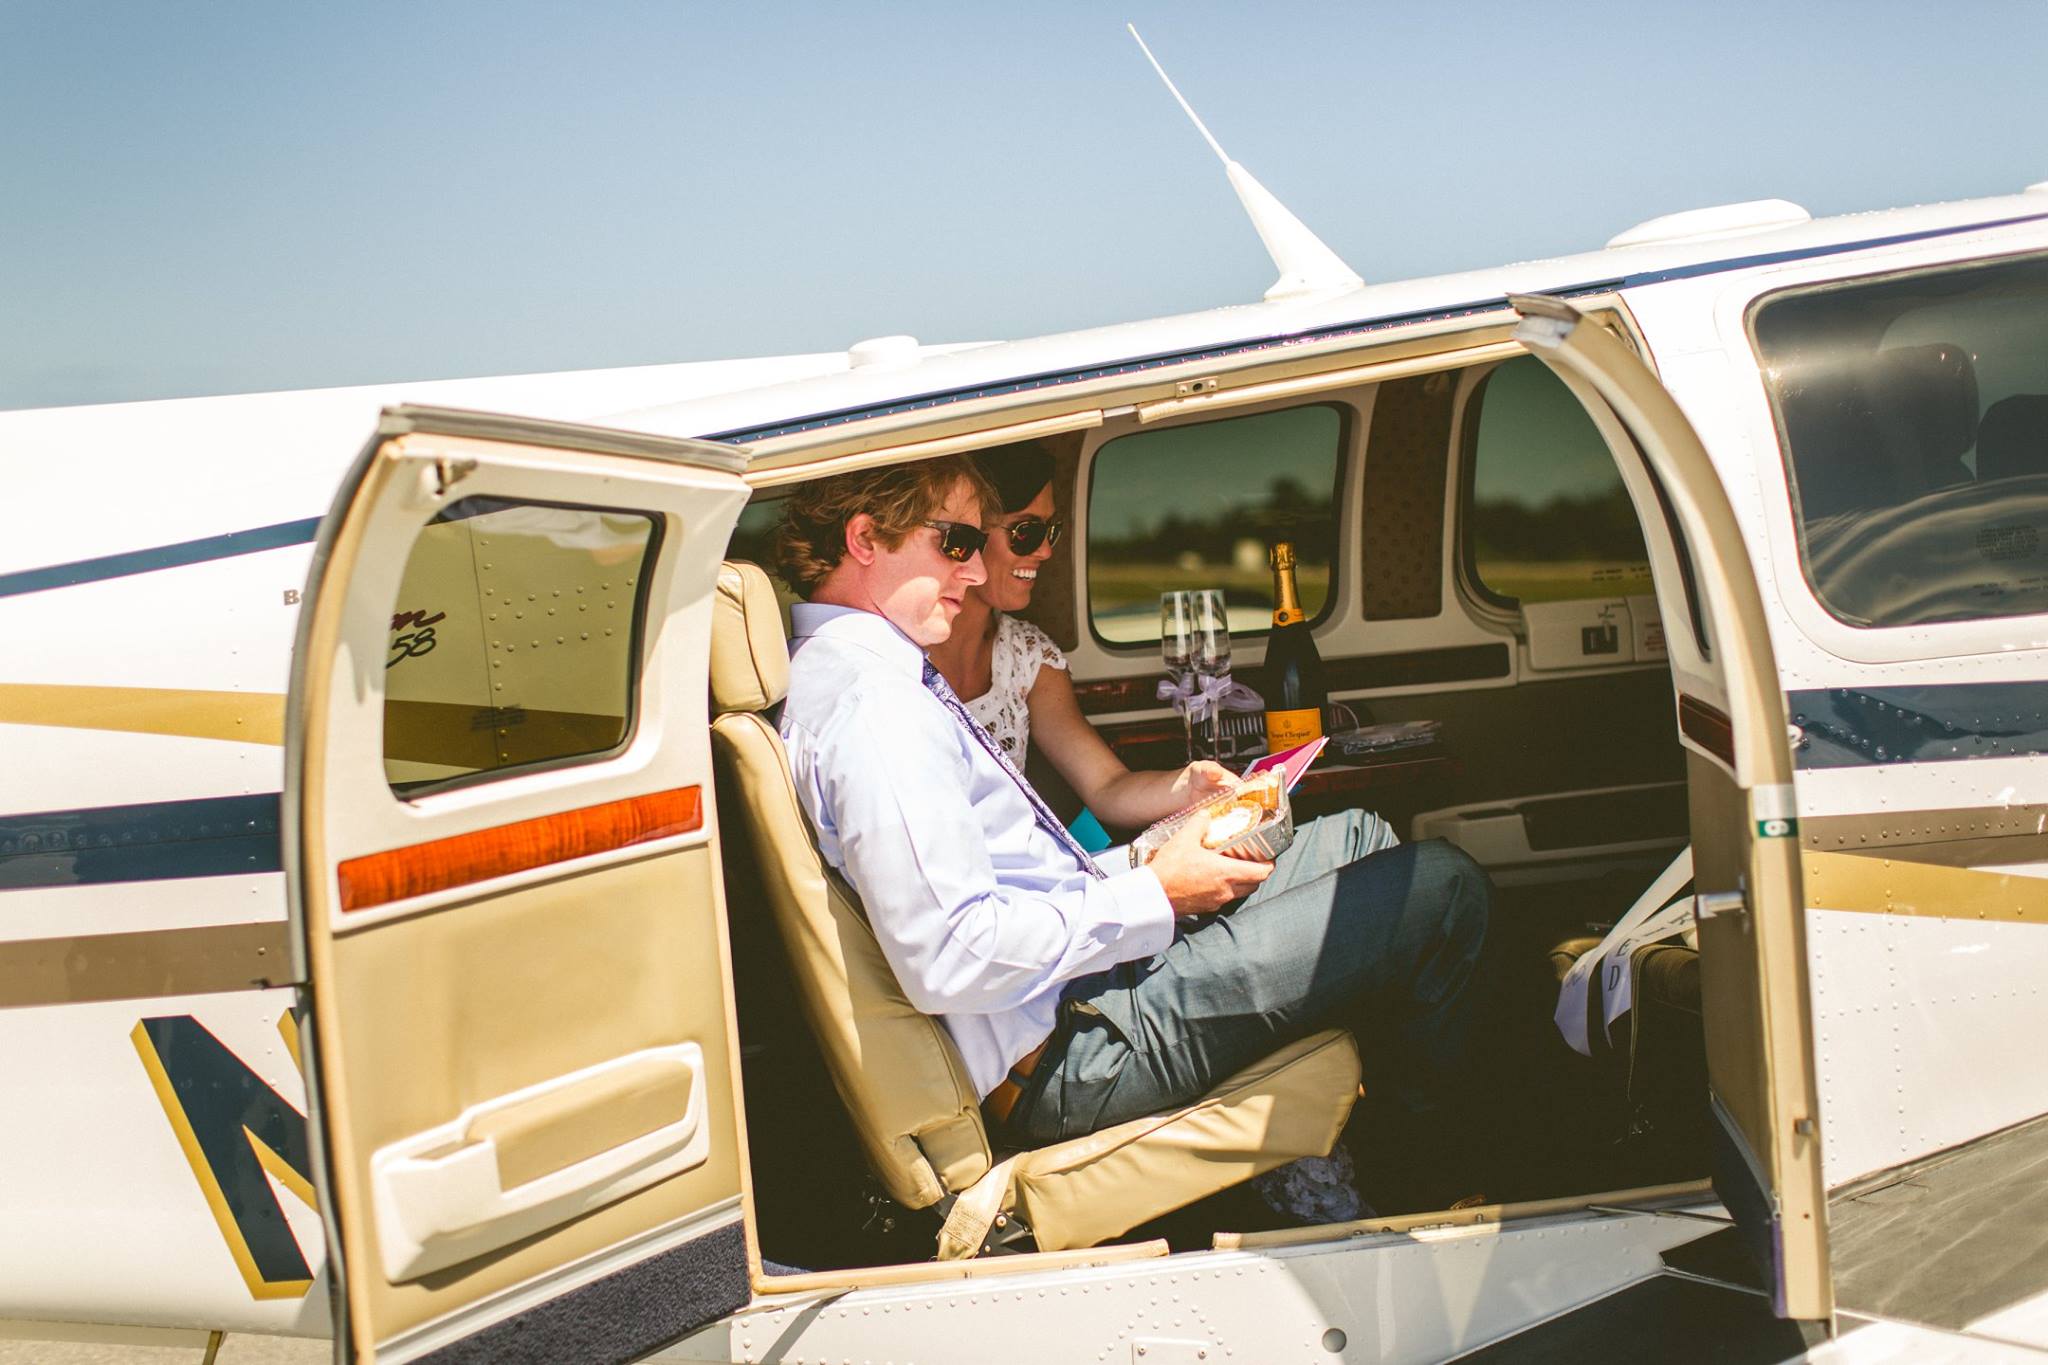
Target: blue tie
(1047, 821)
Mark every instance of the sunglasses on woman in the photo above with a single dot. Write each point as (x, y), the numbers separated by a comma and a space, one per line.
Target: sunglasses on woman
(1030, 533)
(958, 541)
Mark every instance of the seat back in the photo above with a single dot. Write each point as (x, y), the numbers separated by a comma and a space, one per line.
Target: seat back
(2012, 442)
(1925, 399)
(1873, 430)
(901, 1078)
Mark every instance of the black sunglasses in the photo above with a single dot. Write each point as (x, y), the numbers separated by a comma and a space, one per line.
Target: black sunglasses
(1027, 535)
(958, 541)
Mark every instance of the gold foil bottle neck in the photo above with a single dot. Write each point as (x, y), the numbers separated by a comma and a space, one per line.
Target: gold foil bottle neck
(1286, 596)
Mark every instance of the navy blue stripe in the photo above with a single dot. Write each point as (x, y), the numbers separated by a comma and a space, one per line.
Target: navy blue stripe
(160, 557)
(1053, 378)
(218, 836)
(1850, 727)
(1805, 253)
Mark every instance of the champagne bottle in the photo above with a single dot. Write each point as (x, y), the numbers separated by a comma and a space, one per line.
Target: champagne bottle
(1292, 680)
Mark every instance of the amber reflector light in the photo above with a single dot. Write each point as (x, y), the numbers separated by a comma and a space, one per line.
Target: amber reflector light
(1705, 726)
(401, 873)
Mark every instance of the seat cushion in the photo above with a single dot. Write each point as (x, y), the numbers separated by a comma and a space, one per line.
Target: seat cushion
(1081, 1192)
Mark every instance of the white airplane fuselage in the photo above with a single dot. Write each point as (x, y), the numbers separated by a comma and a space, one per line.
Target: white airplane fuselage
(152, 561)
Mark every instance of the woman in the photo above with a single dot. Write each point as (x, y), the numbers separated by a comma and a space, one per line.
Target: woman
(1015, 683)
(1014, 679)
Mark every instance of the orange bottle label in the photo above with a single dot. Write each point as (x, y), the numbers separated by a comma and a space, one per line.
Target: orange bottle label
(1285, 729)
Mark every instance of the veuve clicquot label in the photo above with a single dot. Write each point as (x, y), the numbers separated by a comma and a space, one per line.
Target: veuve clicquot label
(1286, 729)
(1293, 673)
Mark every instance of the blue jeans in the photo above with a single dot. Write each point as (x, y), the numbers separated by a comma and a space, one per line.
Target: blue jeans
(1383, 944)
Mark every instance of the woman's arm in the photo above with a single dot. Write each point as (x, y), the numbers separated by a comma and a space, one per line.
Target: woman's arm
(1118, 796)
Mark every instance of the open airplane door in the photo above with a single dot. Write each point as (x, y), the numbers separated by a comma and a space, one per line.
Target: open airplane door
(1754, 989)
(506, 897)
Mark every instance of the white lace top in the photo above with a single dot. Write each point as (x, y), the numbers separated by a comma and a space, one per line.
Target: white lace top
(1021, 649)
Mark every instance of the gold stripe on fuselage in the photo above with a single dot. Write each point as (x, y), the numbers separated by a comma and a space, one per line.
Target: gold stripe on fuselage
(459, 735)
(1889, 884)
(199, 959)
(245, 717)
(1969, 836)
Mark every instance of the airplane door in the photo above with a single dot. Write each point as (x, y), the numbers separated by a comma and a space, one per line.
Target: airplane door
(505, 893)
(1755, 993)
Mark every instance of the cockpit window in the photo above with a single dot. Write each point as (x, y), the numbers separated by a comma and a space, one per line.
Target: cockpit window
(1198, 506)
(513, 640)
(1913, 413)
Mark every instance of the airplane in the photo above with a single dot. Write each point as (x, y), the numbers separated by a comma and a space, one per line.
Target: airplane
(411, 941)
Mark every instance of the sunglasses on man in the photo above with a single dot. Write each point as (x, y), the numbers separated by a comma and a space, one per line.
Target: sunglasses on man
(958, 541)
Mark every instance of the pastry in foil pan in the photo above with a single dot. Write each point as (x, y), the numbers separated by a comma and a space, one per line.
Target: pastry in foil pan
(1252, 821)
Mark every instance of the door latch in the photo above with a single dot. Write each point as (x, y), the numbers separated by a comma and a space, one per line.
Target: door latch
(1712, 904)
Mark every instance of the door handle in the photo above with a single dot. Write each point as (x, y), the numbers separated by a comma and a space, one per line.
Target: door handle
(1715, 904)
(527, 1161)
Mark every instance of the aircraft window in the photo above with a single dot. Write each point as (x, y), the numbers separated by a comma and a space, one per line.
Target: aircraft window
(513, 641)
(1548, 519)
(1913, 413)
(1198, 506)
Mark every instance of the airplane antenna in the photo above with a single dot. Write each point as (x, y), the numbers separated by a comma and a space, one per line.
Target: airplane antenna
(1306, 265)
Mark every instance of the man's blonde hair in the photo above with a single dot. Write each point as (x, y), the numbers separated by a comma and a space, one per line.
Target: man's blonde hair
(811, 540)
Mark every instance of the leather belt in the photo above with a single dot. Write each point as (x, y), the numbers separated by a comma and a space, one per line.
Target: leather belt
(1003, 1099)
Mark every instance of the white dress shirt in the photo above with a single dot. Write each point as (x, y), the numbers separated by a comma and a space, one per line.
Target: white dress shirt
(981, 912)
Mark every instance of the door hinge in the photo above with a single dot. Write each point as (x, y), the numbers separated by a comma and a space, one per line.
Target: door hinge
(448, 473)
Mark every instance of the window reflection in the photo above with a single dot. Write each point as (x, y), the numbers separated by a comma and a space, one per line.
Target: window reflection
(1198, 506)
(1550, 520)
(1913, 412)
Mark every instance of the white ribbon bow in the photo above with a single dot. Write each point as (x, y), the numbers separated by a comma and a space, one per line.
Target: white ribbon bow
(1202, 694)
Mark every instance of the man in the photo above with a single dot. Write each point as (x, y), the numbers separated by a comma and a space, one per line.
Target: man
(1082, 996)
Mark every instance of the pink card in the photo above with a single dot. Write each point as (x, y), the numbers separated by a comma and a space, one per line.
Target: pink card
(1291, 762)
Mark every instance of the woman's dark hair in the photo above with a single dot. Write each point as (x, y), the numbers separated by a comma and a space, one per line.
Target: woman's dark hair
(1017, 473)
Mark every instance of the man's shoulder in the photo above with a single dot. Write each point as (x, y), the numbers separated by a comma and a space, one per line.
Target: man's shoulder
(831, 682)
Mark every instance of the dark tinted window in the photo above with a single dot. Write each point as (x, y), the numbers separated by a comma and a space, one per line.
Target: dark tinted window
(1198, 506)
(1913, 414)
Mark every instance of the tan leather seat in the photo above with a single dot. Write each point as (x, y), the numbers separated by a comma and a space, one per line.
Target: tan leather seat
(903, 1082)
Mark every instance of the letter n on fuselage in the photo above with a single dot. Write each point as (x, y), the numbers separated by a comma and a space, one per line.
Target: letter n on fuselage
(234, 1128)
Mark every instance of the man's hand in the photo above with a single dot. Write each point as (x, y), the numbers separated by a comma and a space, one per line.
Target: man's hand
(1199, 880)
(1201, 780)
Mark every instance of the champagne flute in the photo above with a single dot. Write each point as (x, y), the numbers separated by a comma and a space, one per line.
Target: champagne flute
(1177, 652)
(1211, 659)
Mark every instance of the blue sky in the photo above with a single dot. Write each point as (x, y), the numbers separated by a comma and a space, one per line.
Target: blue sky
(223, 197)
